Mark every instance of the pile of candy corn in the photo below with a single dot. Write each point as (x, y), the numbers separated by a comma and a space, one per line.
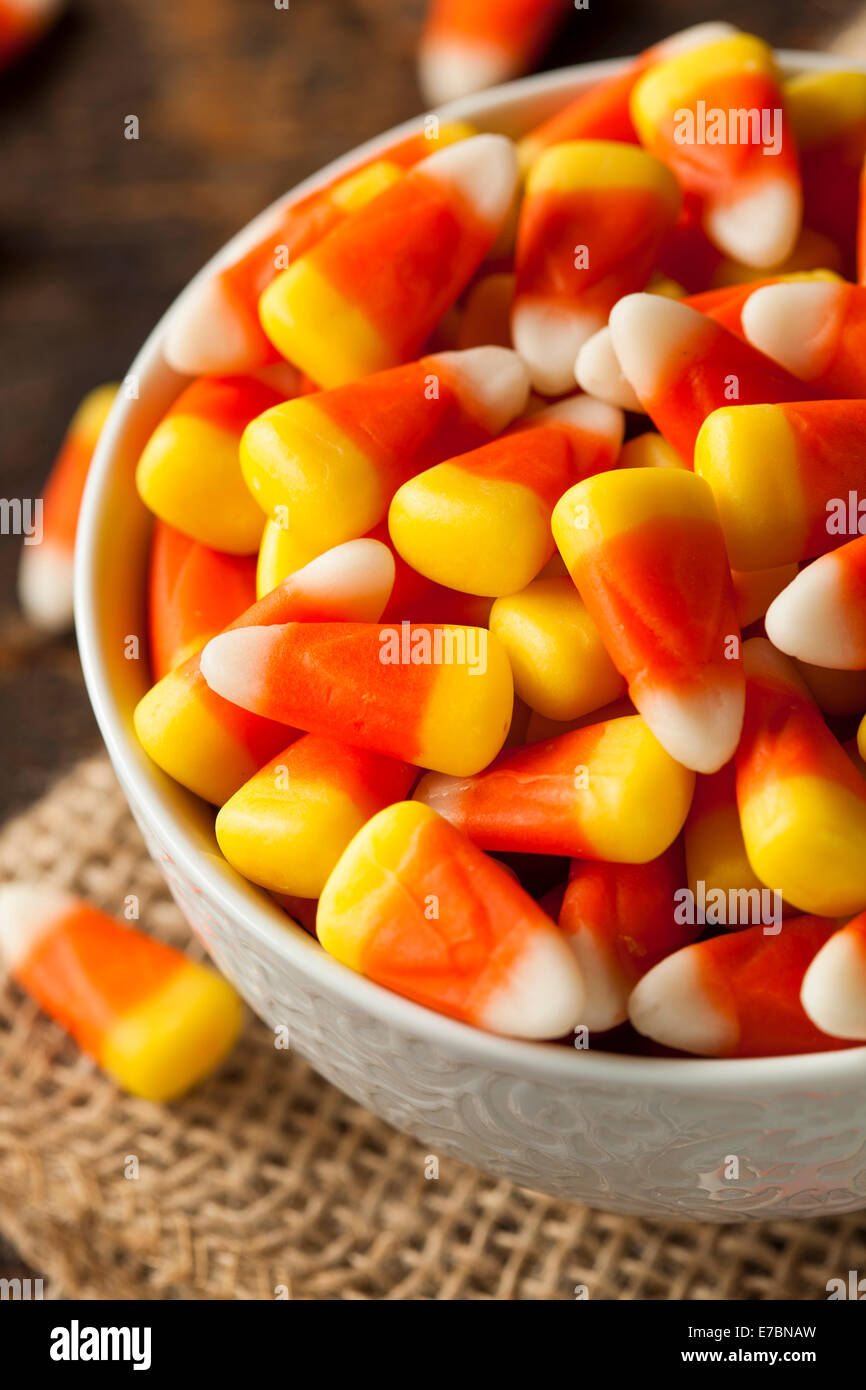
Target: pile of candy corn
(507, 590)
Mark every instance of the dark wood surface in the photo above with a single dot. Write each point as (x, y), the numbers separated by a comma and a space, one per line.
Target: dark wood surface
(236, 102)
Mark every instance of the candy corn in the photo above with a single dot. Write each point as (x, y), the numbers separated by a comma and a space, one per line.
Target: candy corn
(193, 593)
(802, 802)
(683, 365)
(214, 328)
(155, 1021)
(369, 294)
(208, 744)
(785, 477)
(619, 921)
(560, 665)
(833, 993)
(649, 450)
(821, 616)
(467, 46)
(416, 907)
(597, 371)
(715, 852)
(726, 302)
(598, 368)
(591, 224)
(435, 695)
(601, 111)
(45, 574)
(735, 996)
(645, 549)
(281, 552)
(606, 791)
(714, 115)
(189, 473)
(287, 827)
(816, 329)
(329, 464)
(412, 597)
(827, 111)
(481, 522)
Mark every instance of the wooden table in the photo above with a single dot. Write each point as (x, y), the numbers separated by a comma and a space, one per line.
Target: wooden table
(236, 102)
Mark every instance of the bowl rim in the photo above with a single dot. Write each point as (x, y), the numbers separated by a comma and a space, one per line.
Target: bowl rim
(148, 787)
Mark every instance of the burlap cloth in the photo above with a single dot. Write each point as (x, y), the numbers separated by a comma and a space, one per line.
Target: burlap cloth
(268, 1177)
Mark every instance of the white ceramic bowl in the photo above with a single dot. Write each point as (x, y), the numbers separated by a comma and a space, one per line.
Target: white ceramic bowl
(638, 1135)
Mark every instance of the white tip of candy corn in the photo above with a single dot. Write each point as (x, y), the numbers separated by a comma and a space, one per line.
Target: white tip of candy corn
(672, 1006)
(448, 69)
(204, 335)
(794, 323)
(696, 36)
(587, 414)
(810, 619)
(542, 994)
(482, 170)
(607, 992)
(759, 228)
(598, 372)
(648, 331)
(548, 338)
(27, 910)
(701, 729)
(356, 578)
(233, 663)
(833, 993)
(45, 587)
(442, 794)
(494, 381)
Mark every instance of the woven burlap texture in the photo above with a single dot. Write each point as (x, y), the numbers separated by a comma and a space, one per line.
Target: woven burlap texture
(268, 1180)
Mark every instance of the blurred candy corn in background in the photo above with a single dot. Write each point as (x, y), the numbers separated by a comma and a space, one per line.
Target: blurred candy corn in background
(467, 45)
(45, 576)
